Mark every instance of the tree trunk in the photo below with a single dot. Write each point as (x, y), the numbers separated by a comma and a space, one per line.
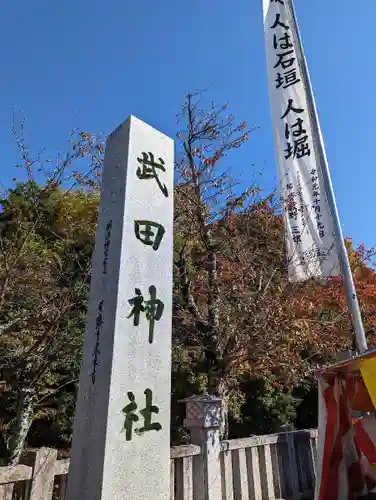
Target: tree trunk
(216, 377)
(21, 424)
(223, 393)
(213, 302)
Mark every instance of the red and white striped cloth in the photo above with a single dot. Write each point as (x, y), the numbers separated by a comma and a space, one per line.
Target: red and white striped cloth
(346, 451)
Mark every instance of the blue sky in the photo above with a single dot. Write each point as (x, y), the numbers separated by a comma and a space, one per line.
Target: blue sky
(91, 64)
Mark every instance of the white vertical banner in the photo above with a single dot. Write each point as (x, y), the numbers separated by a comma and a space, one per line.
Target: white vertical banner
(309, 228)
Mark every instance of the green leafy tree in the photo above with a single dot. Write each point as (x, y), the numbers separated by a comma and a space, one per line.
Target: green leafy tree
(46, 237)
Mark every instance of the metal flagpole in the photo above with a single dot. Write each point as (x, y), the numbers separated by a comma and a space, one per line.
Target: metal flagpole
(321, 155)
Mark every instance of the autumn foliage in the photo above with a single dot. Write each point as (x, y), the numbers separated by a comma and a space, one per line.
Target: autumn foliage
(240, 329)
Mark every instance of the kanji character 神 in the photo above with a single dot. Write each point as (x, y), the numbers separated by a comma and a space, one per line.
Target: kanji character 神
(152, 308)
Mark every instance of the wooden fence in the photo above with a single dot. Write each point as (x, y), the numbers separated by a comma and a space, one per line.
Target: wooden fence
(278, 466)
(41, 477)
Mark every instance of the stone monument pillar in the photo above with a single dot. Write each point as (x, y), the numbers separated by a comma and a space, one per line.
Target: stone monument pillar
(121, 439)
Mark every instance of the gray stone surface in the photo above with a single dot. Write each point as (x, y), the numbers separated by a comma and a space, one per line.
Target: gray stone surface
(203, 415)
(107, 463)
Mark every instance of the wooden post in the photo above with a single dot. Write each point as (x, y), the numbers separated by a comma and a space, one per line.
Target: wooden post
(63, 487)
(10, 476)
(172, 479)
(293, 465)
(43, 474)
(6, 491)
